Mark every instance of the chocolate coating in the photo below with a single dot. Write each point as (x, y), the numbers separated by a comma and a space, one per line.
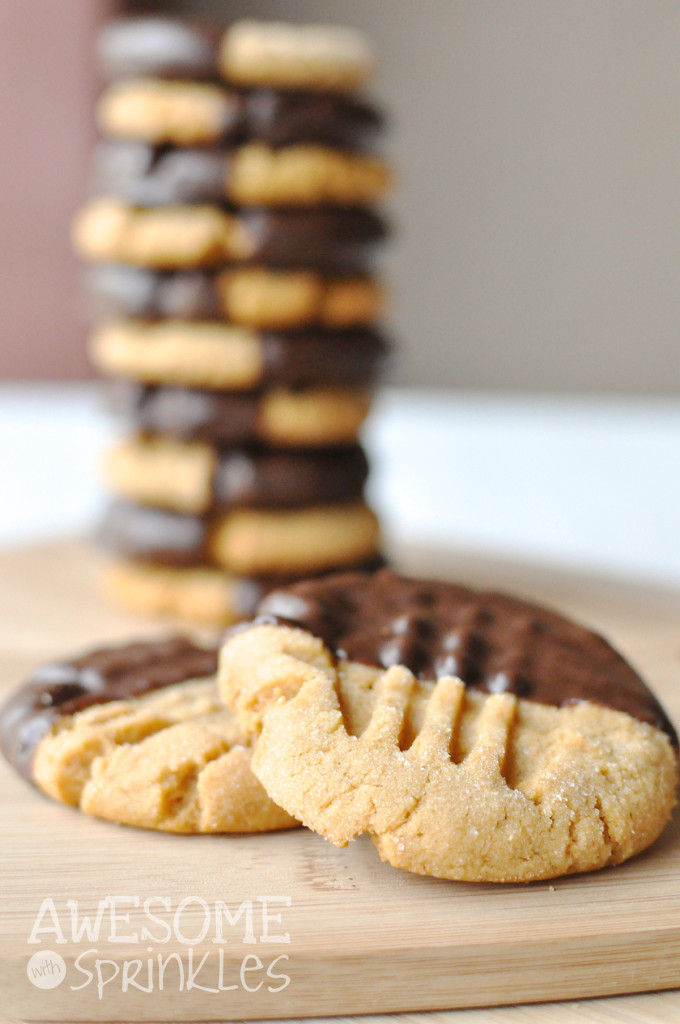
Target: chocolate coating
(118, 290)
(116, 673)
(318, 356)
(167, 47)
(188, 414)
(160, 175)
(281, 117)
(155, 535)
(323, 238)
(493, 642)
(259, 478)
(157, 175)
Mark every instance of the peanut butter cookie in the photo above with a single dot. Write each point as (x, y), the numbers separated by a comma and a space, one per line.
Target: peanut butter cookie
(138, 735)
(358, 692)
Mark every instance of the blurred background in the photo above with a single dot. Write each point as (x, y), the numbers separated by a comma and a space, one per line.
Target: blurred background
(538, 205)
(534, 271)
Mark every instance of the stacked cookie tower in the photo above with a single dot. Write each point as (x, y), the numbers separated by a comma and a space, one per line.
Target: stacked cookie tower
(231, 239)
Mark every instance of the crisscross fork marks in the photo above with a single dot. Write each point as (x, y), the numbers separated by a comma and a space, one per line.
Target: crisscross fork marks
(442, 718)
(585, 786)
(493, 735)
(173, 759)
(393, 692)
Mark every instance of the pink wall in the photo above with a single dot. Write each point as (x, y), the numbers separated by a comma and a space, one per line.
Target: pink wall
(47, 85)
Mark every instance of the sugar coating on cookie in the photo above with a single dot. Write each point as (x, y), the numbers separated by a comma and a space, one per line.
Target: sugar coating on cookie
(447, 779)
(137, 734)
(326, 57)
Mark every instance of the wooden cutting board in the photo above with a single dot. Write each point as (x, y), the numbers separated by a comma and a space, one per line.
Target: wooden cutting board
(189, 928)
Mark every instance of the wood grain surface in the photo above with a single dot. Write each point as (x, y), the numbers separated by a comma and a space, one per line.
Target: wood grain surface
(225, 928)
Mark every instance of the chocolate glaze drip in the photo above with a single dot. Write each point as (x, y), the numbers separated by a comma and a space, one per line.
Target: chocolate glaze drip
(493, 642)
(116, 673)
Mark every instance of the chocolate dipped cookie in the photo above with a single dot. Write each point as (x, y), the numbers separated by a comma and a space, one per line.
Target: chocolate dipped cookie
(169, 111)
(216, 355)
(200, 479)
(137, 734)
(252, 174)
(473, 735)
(257, 297)
(247, 53)
(268, 541)
(279, 417)
(177, 237)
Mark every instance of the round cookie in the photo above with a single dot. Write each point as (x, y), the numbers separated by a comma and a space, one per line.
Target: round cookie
(196, 478)
(225, 356)
(248, 542)
(252, 174)
(162, 111)
(197, 593)
(110, 230)
(253, 296)
(139, 736)
(167, 47)
(166, 112)
(473, 736)
(328, 58)
(280, 417)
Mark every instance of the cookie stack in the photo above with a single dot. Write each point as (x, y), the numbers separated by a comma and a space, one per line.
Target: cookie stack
(232, 238)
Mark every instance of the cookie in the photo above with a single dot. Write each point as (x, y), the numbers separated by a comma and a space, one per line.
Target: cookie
(309, 417)
(199, 479)
(328, 58)
(180, 236)
(252, 174)
(253, 296)
(161, 112)
(167, 47)
(110, 230)
(139, 736)
(217, 355)
(473, 736)
(249, 542)
(192, 593)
